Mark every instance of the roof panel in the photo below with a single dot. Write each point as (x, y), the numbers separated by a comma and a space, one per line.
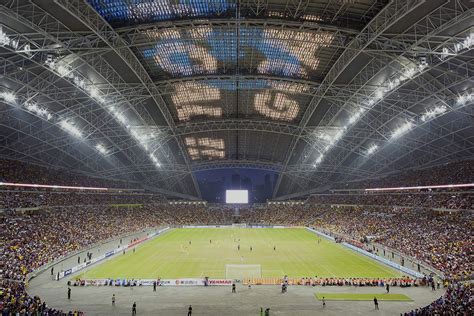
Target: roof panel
(133, 12)
(259, 98)
(173, 53)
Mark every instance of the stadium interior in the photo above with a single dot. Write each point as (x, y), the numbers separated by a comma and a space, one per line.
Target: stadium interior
(246, 157)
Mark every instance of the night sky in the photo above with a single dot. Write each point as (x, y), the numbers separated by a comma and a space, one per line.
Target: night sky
(259, 183)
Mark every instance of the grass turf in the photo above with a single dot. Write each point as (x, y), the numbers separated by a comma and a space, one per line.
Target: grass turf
(362, 297)
(298, 254)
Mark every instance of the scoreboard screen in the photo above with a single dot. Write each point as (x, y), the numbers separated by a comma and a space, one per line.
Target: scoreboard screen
(237, 196)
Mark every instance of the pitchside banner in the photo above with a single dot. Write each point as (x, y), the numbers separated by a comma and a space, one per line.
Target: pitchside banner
(163, 282)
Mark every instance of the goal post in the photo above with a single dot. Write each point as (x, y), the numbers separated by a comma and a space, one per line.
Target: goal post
(243, 271)
(239, 225)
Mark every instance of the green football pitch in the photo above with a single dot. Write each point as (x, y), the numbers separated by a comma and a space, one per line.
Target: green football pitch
(362, 297)
(298, 254)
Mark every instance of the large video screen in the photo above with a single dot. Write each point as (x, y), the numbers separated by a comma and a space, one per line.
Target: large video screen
(237, 196)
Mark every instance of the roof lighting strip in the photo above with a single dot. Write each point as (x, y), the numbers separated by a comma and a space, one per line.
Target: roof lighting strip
(444, 186)
(30, 185)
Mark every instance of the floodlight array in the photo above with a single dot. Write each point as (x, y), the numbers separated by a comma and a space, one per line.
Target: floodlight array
(428, 115)
(205, 147)
(101, 148)
(63, 69)
(30, 106)
(389, 85)
(433, 112)
(402, 129)
(465, 98)
(38, 110)
(71, 128)
(6, 40)
(372, 149)
(8, 96)
(330, 140)
(460, 47)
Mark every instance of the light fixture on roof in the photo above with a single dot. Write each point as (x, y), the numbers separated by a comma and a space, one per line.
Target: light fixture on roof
(155, 160)
(318, 161)
(355, 117)
(101, 148)
(408, 73)
(433, 112)
(407, 126)
(7, 96)
(372, 149)
(40, 111)
(5, 40)
(465, 98)
(70, 128)
(467, 43)
(63, 69)
(325, 136)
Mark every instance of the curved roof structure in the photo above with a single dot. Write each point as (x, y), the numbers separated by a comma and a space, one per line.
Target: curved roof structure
(321, 91)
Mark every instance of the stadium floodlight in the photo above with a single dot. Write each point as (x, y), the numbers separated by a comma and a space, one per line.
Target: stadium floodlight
(465, 98)
(433, 112)
(70, 128)
(40, 111)
(8, 96)
(5, 40)
(155, 160)
(325, 136)
(318, 161)
(101, 148)
(467, 43)
(402, 129)
(371, 149)
(355, 117)
(121, 118)
(64, 70)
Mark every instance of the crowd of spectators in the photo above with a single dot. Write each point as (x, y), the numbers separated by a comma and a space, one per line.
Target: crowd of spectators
(20, 172)
(458, 300)
(452, 173)
(447, 200)
(441, 239)
(283, 214)
(29, 241)
(12, 199)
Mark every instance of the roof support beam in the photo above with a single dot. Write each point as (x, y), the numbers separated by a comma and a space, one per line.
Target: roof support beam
(97, 25)
(389, 15)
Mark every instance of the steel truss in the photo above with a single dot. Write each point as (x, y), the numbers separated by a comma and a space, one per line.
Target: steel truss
(426, 28)
(46, 25)
(96, 24)
(385, 55)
